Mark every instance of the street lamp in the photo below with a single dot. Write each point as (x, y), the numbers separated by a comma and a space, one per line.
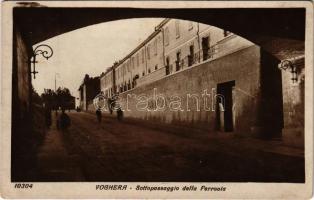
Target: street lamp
(293, 65)
(56, 74)
(43, 49)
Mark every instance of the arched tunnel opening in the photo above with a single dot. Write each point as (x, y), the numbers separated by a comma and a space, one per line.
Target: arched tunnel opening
(248, 87)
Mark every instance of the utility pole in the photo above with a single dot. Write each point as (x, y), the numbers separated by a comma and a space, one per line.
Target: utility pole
(56, 89)
(56, 80)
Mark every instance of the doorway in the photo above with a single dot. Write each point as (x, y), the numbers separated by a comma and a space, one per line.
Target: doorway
(167, 66)
(191, 56)
(178, 61)
(224, 106)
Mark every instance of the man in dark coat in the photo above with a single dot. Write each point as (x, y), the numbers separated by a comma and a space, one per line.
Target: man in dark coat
(64, 121)
(48, 116)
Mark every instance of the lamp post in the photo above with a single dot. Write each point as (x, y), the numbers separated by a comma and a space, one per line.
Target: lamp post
(56, 80)
(293, 65)
(43, 49)
(56, 74)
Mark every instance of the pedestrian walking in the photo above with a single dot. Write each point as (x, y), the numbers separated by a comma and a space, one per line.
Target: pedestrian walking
(110, 105)
(64, 121)
(119, 114)
(98, 115)
(48, 116)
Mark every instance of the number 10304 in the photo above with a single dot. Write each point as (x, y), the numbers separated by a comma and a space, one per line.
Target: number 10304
(23, 185)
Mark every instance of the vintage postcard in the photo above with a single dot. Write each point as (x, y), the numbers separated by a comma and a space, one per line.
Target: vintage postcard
(157, 99)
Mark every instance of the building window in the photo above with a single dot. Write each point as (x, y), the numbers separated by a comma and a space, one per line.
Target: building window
(137, 60)
(149, 71)
(177, 24)
(205, 48)
(132, 63)
(129, 85)
(167, 66)
(156, 67)
(148, 52)
(178, 63)
(143, 74)
(191, 56)
(226, 33)
(155, 46)
(190, 25)
(143, 55)
(167, 36)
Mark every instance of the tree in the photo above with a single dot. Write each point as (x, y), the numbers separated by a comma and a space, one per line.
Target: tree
(35, 97)
(49, 97)
(60, 98)
(64, 98)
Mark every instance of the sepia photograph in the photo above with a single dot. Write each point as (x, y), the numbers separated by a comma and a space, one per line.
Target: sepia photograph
(123, 95)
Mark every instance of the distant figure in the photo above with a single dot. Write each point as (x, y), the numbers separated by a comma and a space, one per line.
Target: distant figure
(119, 114)
(98, 114)
(116, 105)
(48, 116)
(110, 105)
(78, 109)
(64, 121)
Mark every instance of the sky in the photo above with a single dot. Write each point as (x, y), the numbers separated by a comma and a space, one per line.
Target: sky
(89, 50)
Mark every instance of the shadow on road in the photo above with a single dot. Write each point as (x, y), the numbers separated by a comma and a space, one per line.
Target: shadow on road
(122, 151)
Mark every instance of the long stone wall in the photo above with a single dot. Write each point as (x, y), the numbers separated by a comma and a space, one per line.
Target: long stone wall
(183, 90)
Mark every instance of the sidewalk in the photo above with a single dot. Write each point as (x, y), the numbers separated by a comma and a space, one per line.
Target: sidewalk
(54, 161)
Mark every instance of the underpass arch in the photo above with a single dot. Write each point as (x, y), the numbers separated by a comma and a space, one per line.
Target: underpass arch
(281, 32)
(274, 30)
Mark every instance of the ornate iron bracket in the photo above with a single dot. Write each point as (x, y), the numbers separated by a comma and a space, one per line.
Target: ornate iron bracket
(293, 66)
(286, 64)
(43, 49)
